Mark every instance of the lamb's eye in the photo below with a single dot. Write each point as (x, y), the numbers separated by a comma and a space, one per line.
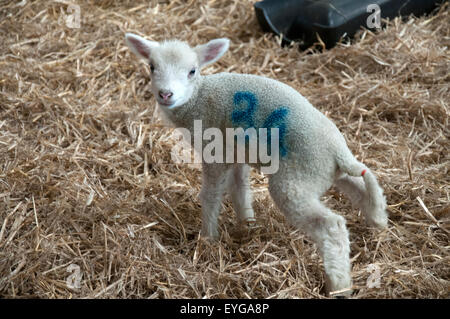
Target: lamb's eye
(152, 68)
(191, 73)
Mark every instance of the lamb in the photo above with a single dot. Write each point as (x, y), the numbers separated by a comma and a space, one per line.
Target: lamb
(313, 153)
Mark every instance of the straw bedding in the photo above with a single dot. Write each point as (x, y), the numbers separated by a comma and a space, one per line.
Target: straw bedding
(87, 185)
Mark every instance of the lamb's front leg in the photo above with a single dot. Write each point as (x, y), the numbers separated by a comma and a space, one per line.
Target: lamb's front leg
(241, 196)
(213, 187)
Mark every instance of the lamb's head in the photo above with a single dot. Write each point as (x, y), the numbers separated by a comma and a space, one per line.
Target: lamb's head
(175, 66)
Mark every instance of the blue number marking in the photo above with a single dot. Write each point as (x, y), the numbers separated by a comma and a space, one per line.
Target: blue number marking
(245, 116)
(276, 119)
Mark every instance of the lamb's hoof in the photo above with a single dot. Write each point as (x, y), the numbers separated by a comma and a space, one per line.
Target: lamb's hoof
(379, 220)
(209, 235)
(341, 294)
(250, 223)
(339, 286)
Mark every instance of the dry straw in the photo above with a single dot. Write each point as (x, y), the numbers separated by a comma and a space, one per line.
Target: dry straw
(86, 177)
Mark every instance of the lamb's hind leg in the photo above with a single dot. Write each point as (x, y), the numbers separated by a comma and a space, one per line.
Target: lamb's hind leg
(240, 192)
(355, 189)
(301, 205)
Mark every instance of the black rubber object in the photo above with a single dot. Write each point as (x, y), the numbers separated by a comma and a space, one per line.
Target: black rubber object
(301, 20)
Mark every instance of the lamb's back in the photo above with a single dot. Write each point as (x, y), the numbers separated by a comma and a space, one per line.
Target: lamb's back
(244, 100)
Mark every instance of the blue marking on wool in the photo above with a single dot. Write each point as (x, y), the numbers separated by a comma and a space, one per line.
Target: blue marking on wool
(245, 117)
(277, 119)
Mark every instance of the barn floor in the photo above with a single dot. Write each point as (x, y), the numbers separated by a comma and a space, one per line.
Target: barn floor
(91, 204)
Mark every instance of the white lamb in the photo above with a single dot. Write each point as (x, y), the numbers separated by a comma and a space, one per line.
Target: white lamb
(314, 154)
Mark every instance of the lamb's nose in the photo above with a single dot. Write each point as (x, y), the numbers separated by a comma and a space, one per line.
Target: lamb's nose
(165, 95)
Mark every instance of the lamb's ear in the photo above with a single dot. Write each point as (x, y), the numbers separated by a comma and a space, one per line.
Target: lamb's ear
(140, 46)
(212, 51)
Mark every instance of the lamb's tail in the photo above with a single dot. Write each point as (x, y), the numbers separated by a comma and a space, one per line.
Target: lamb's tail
(374, 203)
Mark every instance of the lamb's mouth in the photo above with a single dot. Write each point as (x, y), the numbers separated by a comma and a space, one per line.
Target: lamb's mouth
(167, 104)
